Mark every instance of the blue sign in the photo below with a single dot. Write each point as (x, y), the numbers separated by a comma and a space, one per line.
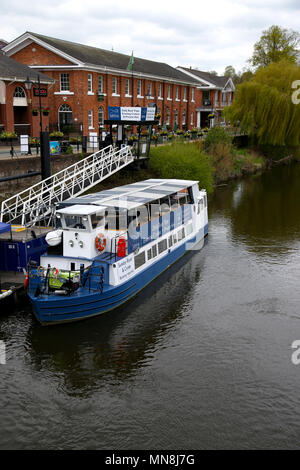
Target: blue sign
(127, 113)
(114, 113)
(54, 148)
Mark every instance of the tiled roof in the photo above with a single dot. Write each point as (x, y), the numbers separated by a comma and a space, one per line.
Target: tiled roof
(115, 60)
(219, 81)
(10, 69)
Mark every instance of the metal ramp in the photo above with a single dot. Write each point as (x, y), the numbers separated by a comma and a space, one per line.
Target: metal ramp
(37, 203)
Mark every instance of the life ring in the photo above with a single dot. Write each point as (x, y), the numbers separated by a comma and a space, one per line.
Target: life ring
(100, 242)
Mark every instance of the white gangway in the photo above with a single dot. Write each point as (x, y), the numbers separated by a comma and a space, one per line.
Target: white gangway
(37, 203)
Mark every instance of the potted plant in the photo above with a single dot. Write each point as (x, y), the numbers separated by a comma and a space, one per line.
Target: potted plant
(35, 112)
(5, 135)
(46, 111)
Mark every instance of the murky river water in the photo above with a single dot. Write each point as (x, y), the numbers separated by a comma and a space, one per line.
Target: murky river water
(200, 359)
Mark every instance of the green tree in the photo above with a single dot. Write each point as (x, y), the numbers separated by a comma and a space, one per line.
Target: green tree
(275, 45)
(263, 106)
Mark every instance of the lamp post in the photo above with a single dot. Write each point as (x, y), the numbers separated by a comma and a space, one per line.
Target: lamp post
(44, 135)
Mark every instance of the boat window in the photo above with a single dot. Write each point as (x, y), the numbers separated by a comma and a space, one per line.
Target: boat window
(76, 221)
(170, 241)
(181, 234)
(154, 251)
(175, 238)
(132, 219)
(115, 219)
(149, 254)
(189, 229)
(173, 201)
(97, 219)
(139, 260)
(162, 245)
(155, 210)
(200, 206)
(143, 214)
(205, 201)
(165, 205)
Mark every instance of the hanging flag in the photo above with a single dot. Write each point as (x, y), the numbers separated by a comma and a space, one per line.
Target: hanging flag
(131, 62)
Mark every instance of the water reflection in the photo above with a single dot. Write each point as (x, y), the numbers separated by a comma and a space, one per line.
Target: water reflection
(264, 211)
(112, 347)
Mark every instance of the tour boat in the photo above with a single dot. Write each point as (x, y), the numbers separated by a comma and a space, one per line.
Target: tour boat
(109, 245)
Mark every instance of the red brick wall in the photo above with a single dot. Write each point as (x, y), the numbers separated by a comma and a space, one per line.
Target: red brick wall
(39, 56)
(81, 102)
(32, 102)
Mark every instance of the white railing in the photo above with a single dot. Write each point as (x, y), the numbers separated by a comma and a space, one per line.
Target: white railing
(38, 202)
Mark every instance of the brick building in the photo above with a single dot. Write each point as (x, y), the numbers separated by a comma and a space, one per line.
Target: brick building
(88, 79)
(16, 102)
(213, 93)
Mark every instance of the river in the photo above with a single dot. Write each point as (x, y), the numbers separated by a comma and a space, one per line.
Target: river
(201, 359)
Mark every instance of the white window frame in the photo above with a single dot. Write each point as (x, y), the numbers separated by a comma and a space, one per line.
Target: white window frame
(192, 118)
(169, 93)
(64, 81)
(184, 94)
(100, 83)
(127, 87)
(193, 94)
(90, 83)
(168, 116)
(100, 112)
(90, 118)
(114, 86)
(159, 90)
(183, 117)
(139, 88)
(177, 93)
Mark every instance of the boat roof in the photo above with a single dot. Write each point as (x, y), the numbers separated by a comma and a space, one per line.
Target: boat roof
(132, 195)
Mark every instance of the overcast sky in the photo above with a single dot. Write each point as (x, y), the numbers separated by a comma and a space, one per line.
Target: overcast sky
(208, 34)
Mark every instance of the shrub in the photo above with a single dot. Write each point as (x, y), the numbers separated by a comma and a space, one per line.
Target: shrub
(69, 150)
(217, 135)
(182, 161)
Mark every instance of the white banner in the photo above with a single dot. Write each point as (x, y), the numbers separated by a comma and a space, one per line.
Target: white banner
(131, 114)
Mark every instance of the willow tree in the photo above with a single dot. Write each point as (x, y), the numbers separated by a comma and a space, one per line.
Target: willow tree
(266, 105)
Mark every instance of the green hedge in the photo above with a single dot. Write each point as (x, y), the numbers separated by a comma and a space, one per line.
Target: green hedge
(182, 161)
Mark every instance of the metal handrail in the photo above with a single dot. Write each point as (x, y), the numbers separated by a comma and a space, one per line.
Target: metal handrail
(37, 202)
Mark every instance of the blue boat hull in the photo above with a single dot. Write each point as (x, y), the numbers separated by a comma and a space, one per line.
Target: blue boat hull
(83, 304)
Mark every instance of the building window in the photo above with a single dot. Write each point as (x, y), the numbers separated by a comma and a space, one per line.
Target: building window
(175, 116)
(224, 101)
(159, 90)
(169, 92)
(64, 82)
(90, 118)
(139, 87)
(192, 119)
(149, 92)
(184, 94)
(183, 118)
(65, 116)
(19, 92)
(216, 98)
(90, 82)
(127, 89)
(159, 113)
(114, 85)
(177, 93)
(100, 83)
(167, 116)
(100, 117)
(193, 94)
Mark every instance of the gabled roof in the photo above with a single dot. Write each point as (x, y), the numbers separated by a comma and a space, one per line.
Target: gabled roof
(212, 79)
(88, 55)
(10, 69)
